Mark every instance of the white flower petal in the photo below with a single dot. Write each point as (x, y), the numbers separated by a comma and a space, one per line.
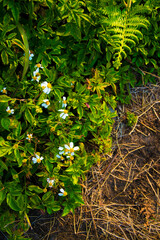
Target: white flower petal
(76, 148)
(62, 190)
(61, 110)
(66, 146)
(60, 148)
(60, 194)
(71, 144)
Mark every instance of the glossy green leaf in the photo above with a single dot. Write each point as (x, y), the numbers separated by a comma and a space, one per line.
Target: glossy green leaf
(34, 188)
(5, 122)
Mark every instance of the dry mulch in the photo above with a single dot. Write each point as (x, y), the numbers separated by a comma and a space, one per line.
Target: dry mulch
(121, 194)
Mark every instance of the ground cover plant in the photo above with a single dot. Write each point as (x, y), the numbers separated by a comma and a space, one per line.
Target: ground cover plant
(64, 66)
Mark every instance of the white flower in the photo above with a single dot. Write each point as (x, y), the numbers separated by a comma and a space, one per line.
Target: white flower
(36, 75)
(61, 157)
(51, 182)
(46, 103)
(69, 149)
(70, 157)
(4, 90)
(64, 102)
(64, 113)
(10, 111)
(29, 137)
(62, 192)
(46, 87)
(31, 55)
(37, 159)
(38, 65)
(61, 149)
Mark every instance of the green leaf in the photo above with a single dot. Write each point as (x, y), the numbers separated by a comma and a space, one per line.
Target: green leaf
(49, 166)
(26, 45)
(47, 196)
(18, 130)
(66, 210)
(4, 57)
(12, 203)
(4, 150)
(15, 10)
(5, 98)
(18, 157)
(78, 198)
(29, 116)
(74, 30)
(34, 188)
(56, 207)
(75, 179)
(29, 148)
(3, 165)
(5, 122)
(18, 43)
(21, 201)
(2, 195)
(80, 111)
(58, 93)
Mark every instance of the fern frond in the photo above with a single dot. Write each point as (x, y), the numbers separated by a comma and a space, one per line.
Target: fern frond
(124, 28)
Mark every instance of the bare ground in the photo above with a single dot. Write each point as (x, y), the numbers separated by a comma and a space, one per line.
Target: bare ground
(121, 194)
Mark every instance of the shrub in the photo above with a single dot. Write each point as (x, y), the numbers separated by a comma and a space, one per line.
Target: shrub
(59, 85)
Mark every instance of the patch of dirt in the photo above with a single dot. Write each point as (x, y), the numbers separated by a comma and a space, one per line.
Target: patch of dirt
(121, 194)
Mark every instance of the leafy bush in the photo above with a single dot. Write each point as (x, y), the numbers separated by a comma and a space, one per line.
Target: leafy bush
(59, 84)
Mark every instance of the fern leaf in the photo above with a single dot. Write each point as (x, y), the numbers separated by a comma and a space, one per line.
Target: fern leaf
(124, 28)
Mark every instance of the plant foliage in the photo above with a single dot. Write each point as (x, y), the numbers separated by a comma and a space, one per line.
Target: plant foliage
(65, 64)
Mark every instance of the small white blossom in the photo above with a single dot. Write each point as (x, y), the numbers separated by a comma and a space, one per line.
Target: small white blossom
(61, 150)
(4, 90)
(38, 65)
(64, 113)
(69, 149)
(46, 87)
(61, 157)
(37, 159)
(70, 157)
(62, 192)
(45, 103)
(29, 137)
(36, 75)
(50, 182)
(64, 102)
(10, 111)
(31, 55)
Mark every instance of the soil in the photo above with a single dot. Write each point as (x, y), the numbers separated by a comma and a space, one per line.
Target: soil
(121, 194)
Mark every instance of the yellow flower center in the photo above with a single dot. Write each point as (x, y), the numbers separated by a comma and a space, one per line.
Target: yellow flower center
(38, 65)
(52, 129)
(65, 193)
(47, 102)
(29, 136)
(66, 150)
(50, 184)
(62, 158)
(49, 85)
(9, 111)
(45, 190)
(71, 150)
(43, 87)
(64, 101)
(34, 78)
(4, 91)
(38, 160)
(71, 158)
(65, 111)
